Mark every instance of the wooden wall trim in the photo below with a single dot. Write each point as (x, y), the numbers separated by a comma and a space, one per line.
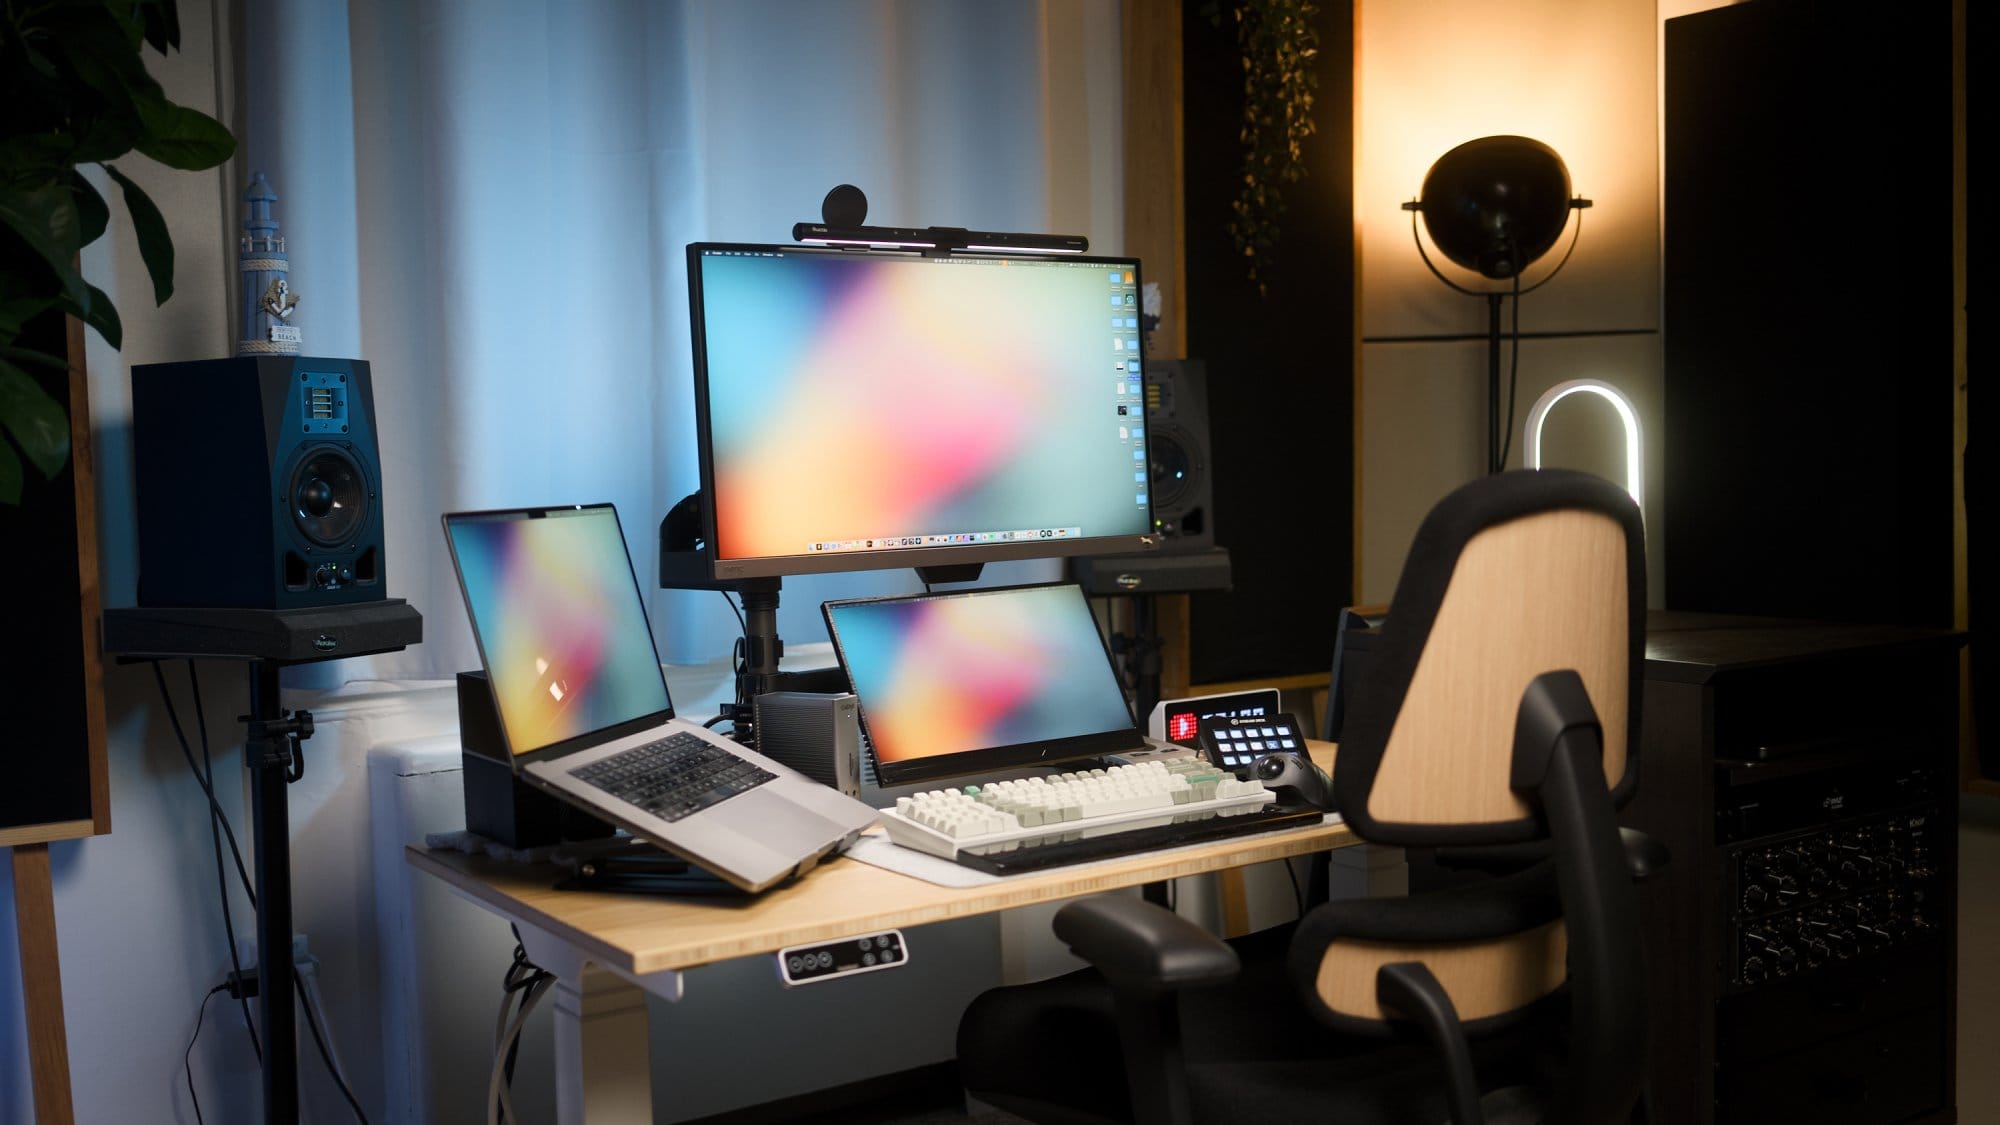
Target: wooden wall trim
(1155, 232)
(89, 584)
(1154, 199)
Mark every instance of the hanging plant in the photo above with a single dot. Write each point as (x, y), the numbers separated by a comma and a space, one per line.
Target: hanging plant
(1280, 47)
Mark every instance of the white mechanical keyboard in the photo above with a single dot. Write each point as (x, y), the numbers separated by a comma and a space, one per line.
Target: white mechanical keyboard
(941, 822)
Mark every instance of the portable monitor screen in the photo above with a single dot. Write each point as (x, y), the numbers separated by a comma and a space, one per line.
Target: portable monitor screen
(967, 682)
(868, 410)
(557, 615)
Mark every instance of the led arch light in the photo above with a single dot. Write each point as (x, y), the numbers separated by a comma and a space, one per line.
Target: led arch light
(1634, 459)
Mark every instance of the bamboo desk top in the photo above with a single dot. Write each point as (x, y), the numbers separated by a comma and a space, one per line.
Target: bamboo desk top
(638, 934)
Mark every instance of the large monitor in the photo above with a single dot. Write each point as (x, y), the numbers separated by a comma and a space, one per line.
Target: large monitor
(863, 410)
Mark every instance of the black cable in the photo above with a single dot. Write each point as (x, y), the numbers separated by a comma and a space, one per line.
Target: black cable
(207, 782)
(741, 625)
(187, 1056)
(519, 982)
(1513, 378)
(1298, 893)
(207, 789)
(215, 816)
(325, 1056)
(710, 724)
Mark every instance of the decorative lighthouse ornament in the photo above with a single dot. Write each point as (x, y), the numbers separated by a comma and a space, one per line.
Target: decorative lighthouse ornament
(268, 301)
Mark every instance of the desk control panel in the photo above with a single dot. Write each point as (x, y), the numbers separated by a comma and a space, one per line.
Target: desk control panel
(809, 964)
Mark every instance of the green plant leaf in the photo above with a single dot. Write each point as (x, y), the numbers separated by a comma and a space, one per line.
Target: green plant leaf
(37, 422)
(183, 138)
(92, 213)
(10, 475)
(156, 246)
(163, 24)
(17, 308)
(30, 355)
(98, 312)
(45, 217)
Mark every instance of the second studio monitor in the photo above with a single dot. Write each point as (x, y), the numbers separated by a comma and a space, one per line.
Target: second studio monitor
(259, 483)
(1177, 444)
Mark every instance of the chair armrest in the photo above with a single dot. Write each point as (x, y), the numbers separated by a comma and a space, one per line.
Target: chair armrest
(1137, 945)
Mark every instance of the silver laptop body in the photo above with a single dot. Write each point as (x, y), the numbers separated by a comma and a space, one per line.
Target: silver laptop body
(562, 632)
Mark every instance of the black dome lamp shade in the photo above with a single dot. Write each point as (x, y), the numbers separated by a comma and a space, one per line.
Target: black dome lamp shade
(1494, 206)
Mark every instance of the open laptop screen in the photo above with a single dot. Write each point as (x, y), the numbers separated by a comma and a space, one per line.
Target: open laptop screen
(980, 680)
(559, 621)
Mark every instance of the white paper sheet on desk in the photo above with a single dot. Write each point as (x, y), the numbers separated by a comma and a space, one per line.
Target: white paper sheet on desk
(876, 849)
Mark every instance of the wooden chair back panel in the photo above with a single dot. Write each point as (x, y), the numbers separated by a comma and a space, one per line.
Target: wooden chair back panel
(1528, 596)
(1483, 978)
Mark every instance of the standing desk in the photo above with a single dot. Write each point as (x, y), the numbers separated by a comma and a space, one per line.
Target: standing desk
(608, 949)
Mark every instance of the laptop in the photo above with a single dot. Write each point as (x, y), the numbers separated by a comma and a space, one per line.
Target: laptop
(983, 681)
(584, 710)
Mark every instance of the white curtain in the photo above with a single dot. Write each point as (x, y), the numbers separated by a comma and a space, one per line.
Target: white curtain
(489, 201)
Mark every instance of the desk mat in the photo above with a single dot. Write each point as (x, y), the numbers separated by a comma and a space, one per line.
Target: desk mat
(877, 850)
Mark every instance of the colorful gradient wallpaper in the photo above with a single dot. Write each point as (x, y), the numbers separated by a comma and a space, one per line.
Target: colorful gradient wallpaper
(857, 397)
(559, 621)
(950, 673)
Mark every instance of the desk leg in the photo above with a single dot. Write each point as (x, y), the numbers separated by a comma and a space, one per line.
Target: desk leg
(603, 1066)
(1369, 871)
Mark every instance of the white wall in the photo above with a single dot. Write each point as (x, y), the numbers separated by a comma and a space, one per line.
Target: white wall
(1579, 76)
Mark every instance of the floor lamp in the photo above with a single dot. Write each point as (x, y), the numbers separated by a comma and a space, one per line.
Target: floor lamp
(1495, 205)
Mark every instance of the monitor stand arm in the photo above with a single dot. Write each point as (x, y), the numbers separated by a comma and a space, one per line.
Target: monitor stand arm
(685, 564)
(1140, 650)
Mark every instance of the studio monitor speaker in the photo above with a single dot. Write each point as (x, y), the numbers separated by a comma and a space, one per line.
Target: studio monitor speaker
(259, 483)
(1177, 440)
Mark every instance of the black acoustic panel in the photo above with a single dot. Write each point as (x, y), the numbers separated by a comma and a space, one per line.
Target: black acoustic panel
(1178, 443)
(1279, 363)
(1808, 311)
(44, 707)
(259, 484)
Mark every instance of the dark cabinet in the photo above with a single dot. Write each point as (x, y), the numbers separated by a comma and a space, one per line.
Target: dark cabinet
(1801, 947)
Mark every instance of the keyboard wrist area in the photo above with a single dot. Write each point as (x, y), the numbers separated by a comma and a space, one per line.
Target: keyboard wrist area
(1138, 945)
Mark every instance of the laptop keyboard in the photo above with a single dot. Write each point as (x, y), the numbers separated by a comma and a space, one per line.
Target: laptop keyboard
(675, 777)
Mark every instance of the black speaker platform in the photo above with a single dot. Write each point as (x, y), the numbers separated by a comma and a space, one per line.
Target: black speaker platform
(282, 636)
(1181, 573)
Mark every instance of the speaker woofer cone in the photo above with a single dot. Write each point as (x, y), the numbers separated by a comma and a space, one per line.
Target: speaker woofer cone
(328, 496)
(1173, 471)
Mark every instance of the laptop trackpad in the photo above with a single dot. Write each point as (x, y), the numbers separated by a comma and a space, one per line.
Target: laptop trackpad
(787, 826)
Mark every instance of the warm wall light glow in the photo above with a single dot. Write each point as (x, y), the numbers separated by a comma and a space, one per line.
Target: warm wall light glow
(1634, 459)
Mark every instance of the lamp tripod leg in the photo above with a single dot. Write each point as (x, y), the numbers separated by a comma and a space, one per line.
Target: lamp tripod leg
(1493, 464)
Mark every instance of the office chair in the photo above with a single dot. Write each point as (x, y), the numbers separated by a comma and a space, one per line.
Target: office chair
(1496, 719)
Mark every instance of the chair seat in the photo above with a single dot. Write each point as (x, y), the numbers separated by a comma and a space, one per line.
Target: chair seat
(1050, 1052)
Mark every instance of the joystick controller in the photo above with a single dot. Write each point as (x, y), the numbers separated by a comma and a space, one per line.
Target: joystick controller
(1296, 776)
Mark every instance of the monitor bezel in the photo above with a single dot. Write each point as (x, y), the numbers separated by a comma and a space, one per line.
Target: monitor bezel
(968, 763)
(942, 555)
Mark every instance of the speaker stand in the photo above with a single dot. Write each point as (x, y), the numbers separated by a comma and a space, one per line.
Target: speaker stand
(269, 754)
(268, 640)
